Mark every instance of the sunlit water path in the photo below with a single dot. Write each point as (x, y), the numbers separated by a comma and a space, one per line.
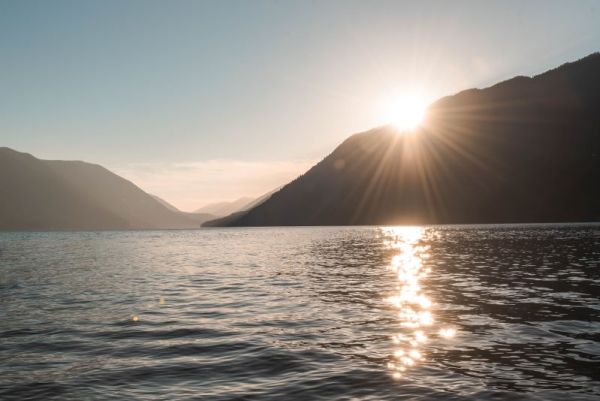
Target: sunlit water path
(488, 312)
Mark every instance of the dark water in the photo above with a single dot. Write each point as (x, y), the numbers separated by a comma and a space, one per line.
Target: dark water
(302, 313)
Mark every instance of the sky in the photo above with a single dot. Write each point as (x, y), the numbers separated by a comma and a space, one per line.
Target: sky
(203, 101)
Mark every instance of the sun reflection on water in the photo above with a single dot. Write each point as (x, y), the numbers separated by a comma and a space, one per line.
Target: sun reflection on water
(415, 308)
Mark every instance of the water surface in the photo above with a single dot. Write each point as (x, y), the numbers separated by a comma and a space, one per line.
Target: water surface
(452, 313)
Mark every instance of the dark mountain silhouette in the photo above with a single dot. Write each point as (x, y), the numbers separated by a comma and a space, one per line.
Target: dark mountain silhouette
(259, 200)
(226, 221)
(62, 195)
(524, 150)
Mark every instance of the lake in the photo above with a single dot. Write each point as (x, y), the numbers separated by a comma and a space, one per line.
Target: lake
(420, 313)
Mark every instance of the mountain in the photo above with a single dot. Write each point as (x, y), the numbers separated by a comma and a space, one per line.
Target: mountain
(221, 209)
(227, 219)
(224, 208)
(524, 150)
(71, 195)
(198, 217)
(259, 200)
(165, 203)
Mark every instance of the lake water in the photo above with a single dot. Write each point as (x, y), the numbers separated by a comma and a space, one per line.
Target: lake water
(448, 313)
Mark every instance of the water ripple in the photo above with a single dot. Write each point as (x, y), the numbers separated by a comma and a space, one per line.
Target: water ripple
(422, 313)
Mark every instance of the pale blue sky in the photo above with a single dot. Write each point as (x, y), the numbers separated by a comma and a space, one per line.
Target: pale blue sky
(172, 94)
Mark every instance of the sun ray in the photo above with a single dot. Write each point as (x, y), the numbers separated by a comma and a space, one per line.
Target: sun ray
(406, 112)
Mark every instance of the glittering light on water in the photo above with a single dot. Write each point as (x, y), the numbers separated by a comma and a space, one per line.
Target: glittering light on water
(420, 337)
(414, 354)
(447, 332)
(413, 305)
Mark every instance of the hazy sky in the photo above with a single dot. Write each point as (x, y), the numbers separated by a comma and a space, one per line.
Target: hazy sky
(198, 101)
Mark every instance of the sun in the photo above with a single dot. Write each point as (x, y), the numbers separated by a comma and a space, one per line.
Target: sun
(406, 112)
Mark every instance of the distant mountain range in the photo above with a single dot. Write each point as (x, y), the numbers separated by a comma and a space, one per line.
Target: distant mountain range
(524, 150)
(221, 209)
(70, 195)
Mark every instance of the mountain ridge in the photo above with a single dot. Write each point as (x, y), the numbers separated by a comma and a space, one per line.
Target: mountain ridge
(74, 195)
(523, 150)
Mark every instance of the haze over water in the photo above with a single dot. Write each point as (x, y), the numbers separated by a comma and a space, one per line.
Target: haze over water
(477, 312)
